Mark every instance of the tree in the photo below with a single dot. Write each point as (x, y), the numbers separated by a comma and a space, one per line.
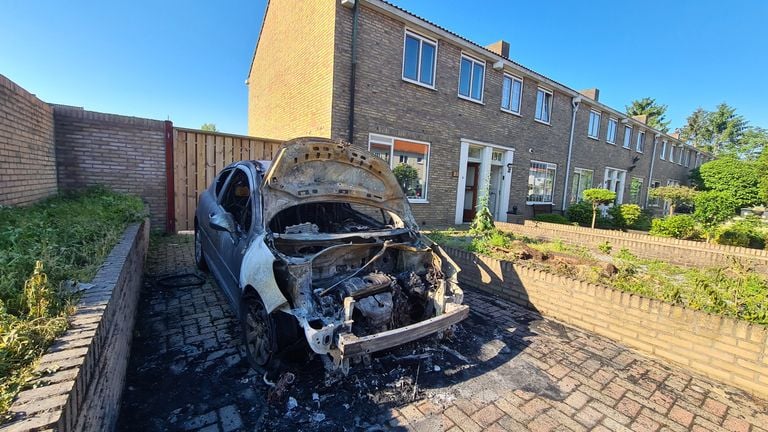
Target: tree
(712, 209)
(695, 129)
(674, 196)
(655, 112)
(598, 197)
(751, 144)
(740, 179)
(719, 132)
(762, 164)
(482, 224)
(209, 127)
(407, 177)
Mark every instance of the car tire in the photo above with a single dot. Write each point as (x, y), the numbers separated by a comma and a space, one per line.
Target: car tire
(259, 332)
(199, 257)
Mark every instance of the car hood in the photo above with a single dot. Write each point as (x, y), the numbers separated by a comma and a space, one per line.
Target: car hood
(309, 170)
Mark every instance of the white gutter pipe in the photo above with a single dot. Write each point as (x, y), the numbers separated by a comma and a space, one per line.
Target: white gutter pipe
(650, 173)
(575, 104)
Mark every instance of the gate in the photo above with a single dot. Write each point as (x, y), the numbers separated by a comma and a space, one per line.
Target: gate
(198, 156)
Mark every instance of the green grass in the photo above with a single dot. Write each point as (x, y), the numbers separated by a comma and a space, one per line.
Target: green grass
(70, 234)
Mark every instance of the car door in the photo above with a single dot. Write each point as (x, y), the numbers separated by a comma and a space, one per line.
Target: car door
(237, 199)
(210, 237)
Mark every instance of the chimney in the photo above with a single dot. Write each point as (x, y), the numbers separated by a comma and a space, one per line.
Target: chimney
(501, 48)
(675, 134)
(593, 93)
(641, 118)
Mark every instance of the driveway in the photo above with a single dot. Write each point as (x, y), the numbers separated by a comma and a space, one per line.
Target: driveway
(505, 368)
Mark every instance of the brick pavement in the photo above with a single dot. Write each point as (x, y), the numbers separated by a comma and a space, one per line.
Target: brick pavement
(505, 369)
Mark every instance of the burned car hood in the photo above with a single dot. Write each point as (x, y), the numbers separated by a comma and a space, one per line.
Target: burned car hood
(309, 170)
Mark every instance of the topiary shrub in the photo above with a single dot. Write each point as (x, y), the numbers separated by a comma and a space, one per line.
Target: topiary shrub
(598, 197)
(677, 226)
(552, 218)
(580, 212)
(712, 209)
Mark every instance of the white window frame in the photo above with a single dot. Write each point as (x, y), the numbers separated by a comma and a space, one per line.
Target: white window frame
(548, 166)
(512, 89)
(640, 140)
(627, 138)
(390, 141)
(688, 158)
(598, 117)
(639, 193)
(608, 138)
(474, 61)
(654, 202)
(682, 155)
(619, 173)
(551, 102)
(422, 40)
(580, 172)
(663, 153)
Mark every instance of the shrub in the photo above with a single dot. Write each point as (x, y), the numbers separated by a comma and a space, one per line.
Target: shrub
(605, 247)
(625, 215)
(744, 233)
(674, 196)
(713, 208)
(739, 179)
(551, 218)
(580, 212)
(677, 226)
(598, 197)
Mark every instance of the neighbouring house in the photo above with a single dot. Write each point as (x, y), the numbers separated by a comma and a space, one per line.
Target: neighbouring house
(384, 79)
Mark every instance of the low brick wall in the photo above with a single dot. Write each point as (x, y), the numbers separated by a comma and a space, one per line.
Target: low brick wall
(681, 252)
(83, 373)
(731, 351)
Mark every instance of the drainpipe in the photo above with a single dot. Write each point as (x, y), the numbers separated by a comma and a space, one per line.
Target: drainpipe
(575, 104)
(650, 172)
(351, 128)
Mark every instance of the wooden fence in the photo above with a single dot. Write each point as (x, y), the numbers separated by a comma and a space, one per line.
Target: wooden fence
(199, 155)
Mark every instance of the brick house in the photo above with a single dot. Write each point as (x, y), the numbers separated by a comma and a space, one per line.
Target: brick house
(461, 113)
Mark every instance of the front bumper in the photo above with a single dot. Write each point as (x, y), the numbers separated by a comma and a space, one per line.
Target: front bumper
(350, 345)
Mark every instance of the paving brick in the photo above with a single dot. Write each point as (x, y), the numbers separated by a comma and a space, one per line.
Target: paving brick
(488, 415)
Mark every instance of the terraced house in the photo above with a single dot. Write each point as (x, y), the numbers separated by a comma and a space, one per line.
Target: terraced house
(382, 78)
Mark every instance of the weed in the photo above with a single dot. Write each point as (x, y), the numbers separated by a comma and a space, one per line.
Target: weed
(605, 247)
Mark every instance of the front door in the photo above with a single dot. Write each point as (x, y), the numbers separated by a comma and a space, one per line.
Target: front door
(470, 191)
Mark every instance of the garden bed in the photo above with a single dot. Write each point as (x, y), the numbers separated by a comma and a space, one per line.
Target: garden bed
(67, 238)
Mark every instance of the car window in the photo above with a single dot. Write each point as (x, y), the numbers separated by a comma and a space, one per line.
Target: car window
(236, 199)
(222, 180)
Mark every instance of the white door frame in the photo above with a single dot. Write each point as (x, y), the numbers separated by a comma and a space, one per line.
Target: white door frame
(485, 169)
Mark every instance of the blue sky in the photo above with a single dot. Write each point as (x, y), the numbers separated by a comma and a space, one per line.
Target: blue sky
(188, 61)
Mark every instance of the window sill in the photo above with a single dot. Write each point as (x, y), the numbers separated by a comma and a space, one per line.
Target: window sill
(626, 148)
(611, 143)
(639, 151)
(538, 202)
(479, 102)
(544, 123)
(419, 83)
(593, 137)
(511, 112)
(418, 201)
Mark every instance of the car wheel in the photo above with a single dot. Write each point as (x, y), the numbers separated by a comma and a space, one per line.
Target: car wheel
(199, 258)
(258, 332)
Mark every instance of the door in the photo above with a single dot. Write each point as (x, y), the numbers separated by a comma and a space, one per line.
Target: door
(470, 191)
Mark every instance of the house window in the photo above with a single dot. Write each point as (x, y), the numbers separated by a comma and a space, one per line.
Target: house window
(471, 77)
(419, 54)
(511, 93)
(627, 136)
(635, 189)
(610, 136)
(614, 181)
(663, 150)
(687, 158)
(594, 124)
(582, 180)
(409, 161)
(672, 154)
(640, 146)
(654, 202)
(541, 182)
(680, 156)
(543, 105)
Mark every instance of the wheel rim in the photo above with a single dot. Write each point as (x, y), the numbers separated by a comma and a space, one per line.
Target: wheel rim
(257, 340)
(198, 247)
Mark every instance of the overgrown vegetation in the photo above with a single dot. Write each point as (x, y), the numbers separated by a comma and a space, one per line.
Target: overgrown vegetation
(552, 218)
(61, 239)
(735, 290)
(678, 226)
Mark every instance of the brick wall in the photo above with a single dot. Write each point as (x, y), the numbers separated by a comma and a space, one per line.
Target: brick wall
(82, 375)
(27, 157)
(732, 351)
(682, 252)
(290, 81)
(126, 154)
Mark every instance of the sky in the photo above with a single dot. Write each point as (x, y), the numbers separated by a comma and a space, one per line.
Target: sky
(187, 61)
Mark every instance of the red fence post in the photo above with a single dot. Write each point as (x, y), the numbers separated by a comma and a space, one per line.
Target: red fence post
(170, 221)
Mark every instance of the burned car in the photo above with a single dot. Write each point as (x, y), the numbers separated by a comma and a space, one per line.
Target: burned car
(318, 250)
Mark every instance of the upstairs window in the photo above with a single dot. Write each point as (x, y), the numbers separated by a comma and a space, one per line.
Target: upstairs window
(663, 150)
(471, 77)
(680, 156)
(610, 136)
(672, 154)
(594, 124)
(627, 136)
(543, 105)
(640, 146)
(541, 182)
(511, 93)
(419, 54)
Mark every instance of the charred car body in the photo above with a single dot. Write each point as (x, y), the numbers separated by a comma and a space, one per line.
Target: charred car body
(319, 248)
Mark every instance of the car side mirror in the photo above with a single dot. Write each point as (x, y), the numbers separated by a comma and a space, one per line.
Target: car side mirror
(222, 222)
